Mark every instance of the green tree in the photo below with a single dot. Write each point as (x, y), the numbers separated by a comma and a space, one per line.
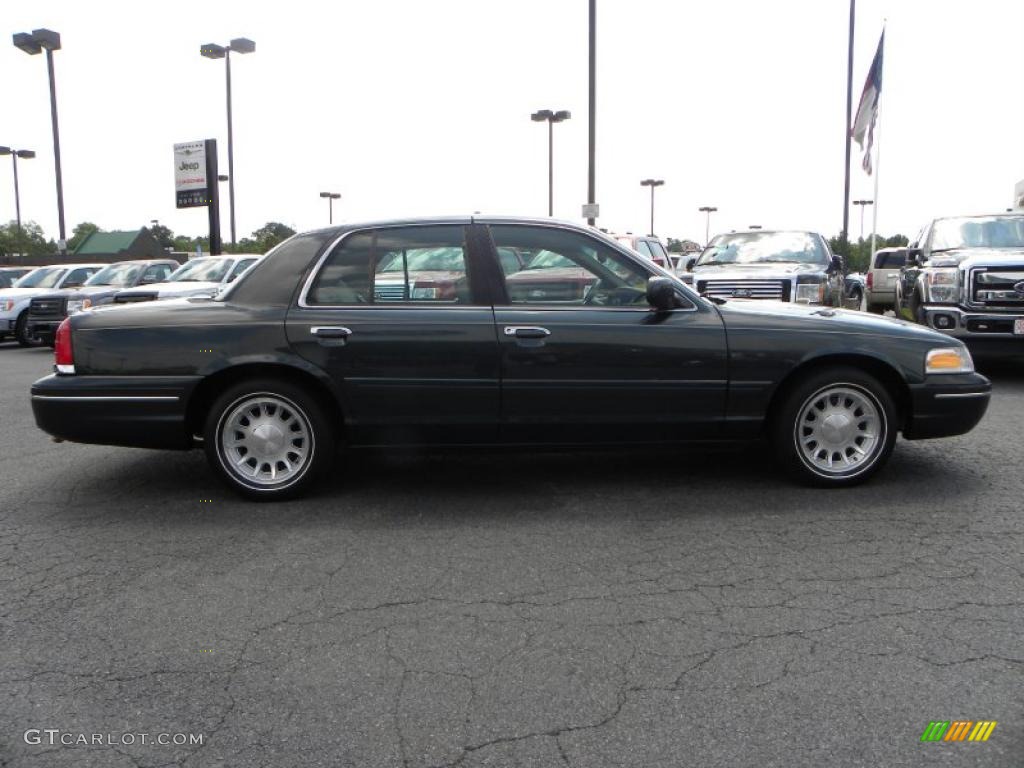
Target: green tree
(682, 246)
(80, 232)
(29, 240)
(269, 235)
(163, 235)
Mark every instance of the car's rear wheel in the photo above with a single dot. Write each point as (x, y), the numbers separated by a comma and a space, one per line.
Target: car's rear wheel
(835, 427)
(268, 439)
(21, 332)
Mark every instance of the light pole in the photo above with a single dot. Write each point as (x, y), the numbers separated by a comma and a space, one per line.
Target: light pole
(24, 154)
(214, 51)
(708, 209)
(652, 183)
(755, 226)
(331, 197)
(32, 44)
(592, 98)
(863, 204)
(551, 117)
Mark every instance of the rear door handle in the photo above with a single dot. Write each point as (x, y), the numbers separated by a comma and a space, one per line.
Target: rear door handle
(527, 331)
(330, 332)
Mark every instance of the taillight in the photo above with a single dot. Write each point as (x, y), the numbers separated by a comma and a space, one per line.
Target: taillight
(871, 280)
(64, 356)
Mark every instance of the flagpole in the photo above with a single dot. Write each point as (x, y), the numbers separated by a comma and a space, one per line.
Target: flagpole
(878, 165)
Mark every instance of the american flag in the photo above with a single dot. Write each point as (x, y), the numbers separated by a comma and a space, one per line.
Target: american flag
(863, 130)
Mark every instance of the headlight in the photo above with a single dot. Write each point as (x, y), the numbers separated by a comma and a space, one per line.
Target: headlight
(7, 305)
(943, 285)
(76, 305)
(949, 360)
(810, 293)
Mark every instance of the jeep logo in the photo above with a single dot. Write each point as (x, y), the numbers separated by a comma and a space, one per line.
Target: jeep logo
(1019, 288)
(742, 293)
(188, 166)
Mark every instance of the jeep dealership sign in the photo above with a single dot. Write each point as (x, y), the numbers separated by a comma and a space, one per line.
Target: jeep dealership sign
(191, 182)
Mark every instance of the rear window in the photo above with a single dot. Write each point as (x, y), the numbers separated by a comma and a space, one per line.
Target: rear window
(891, 260)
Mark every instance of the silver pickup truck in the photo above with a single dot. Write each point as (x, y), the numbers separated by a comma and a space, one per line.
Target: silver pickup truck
(793, 266)
(965, 277)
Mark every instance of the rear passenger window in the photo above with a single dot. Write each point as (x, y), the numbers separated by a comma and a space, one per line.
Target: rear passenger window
(644, 248)
(891, 260)
(404, 265)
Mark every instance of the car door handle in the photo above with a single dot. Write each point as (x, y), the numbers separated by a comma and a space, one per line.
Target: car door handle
(330, 332)
(527, 331)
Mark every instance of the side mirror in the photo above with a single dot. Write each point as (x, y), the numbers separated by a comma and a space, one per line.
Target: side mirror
(689, 264)
(837, 263)
(915, 256)
(661, 294)
(73, 284)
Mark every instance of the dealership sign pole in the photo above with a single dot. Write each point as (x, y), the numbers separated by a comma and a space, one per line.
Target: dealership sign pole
(195, 183)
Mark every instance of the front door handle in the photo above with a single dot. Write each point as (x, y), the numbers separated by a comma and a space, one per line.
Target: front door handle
(330, 332)
(527, 331)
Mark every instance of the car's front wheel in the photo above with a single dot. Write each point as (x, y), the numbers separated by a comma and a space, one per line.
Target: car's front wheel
(835, 427)
(21, 332)
(268, 439)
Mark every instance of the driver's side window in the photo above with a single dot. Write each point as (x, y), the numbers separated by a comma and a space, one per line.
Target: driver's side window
(565, 268)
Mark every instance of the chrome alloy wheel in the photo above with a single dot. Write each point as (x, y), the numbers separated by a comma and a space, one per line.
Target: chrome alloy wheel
(840, 431)
(265, 440)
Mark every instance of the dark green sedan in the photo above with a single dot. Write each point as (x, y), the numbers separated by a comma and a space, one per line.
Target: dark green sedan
(492, 331)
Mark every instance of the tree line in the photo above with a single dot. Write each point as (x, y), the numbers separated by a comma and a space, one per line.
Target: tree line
(32, 241)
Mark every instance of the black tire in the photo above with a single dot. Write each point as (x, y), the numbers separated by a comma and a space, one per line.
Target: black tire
(795, 427)
(21, 332)
(301, 420)
(877, 309)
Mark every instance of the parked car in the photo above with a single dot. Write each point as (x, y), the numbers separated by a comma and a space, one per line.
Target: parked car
(46, 312)
(14, 301)
(795, 267)
(965, 278)
(883, 275)
(8, 275)
(200, 277)
(301, 354)
(647, 246)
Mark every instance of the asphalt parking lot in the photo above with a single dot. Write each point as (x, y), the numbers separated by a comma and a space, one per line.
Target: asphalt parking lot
(613, 609)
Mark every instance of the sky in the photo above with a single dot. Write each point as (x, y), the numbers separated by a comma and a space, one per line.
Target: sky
(412, 108)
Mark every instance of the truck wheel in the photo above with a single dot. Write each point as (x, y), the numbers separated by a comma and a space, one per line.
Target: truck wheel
(836, 427)
(268, 439)
(21, 332)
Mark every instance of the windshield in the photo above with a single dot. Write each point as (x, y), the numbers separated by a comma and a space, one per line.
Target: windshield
(978, 232)
(201, 270)
(116, 274)
(425, 260)
(44, 277)
(764, 248)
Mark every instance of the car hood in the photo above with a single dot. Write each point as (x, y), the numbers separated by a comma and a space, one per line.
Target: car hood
(740, 313)
(551, 273)
(438, 275)
(755, 271)
(965, 256)
(24, 293)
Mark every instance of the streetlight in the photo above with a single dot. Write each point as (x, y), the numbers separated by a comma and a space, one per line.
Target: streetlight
(214, 51)
(708, 209)
(331, 197)
(551, 117)
(863, 204)
(24, 154)
(652, 183)
(32, 44)
(755, 226)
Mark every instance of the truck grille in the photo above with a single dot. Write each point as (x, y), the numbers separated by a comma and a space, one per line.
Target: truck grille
(389, 292)
(47, 307)
(998, 286)
(777, 290)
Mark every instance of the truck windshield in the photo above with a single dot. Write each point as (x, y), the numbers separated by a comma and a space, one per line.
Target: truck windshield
(44, 277)
(201, 271)
(116, 274)
(764, 248)
(978, 232)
